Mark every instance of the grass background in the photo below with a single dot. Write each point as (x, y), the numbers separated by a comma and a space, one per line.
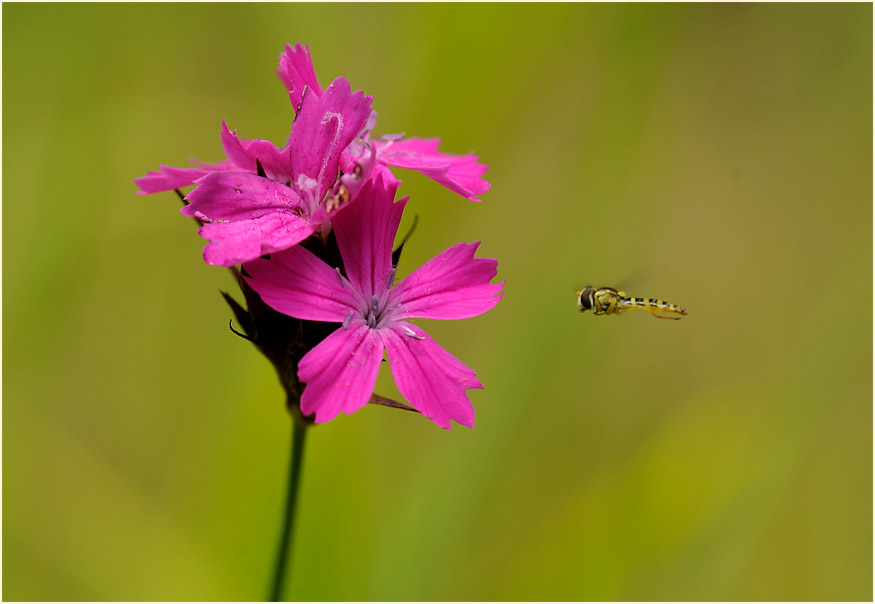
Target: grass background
(723, 150)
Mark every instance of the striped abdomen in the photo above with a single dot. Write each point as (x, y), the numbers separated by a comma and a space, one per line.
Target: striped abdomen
(652, 305)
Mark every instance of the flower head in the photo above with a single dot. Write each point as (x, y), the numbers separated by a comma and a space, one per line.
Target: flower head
(279, 197)
(374, 312)
(264, 199)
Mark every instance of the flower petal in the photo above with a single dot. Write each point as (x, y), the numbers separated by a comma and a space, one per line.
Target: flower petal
(365, 231)
(244, 240)
(246, 216)
(277, 163)
(223, 196)
(296, 71)
(168, 178)
(340, 372)
(459, 173)
(297, 283)
(323, 128)
(429, 377)
(452, 285)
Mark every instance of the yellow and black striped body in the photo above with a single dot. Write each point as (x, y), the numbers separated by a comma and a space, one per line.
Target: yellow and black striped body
(610, 301)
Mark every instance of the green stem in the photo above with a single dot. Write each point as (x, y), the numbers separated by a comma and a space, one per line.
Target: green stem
(283, 558)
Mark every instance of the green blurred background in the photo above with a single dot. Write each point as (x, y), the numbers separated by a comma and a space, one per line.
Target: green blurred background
(724, 151)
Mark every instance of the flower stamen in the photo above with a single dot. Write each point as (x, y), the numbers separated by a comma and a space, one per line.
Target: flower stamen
(373, 312)
(334, 201)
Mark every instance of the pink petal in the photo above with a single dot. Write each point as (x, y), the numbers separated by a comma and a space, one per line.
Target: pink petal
(247, 216)
(429, 377)
(323, 128)
(296, 71)
(340, 372)
(297, 283)
(244, 240)
(224, 196)
(459, 173)
(365, 231)
(452, 285)
(167, 178)
(277, 163)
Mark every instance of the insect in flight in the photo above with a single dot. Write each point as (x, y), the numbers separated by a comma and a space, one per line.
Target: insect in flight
(610, 301)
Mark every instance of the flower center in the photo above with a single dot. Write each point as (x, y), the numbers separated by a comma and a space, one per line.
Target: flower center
(380, 309)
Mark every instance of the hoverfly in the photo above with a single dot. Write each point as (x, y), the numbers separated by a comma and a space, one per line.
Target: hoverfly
(610, 301)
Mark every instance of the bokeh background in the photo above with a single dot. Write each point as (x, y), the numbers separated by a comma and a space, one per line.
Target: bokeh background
(718, 156)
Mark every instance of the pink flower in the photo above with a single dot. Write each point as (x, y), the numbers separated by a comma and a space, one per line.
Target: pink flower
(374, 312)
(459, 173)
(264, 199)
